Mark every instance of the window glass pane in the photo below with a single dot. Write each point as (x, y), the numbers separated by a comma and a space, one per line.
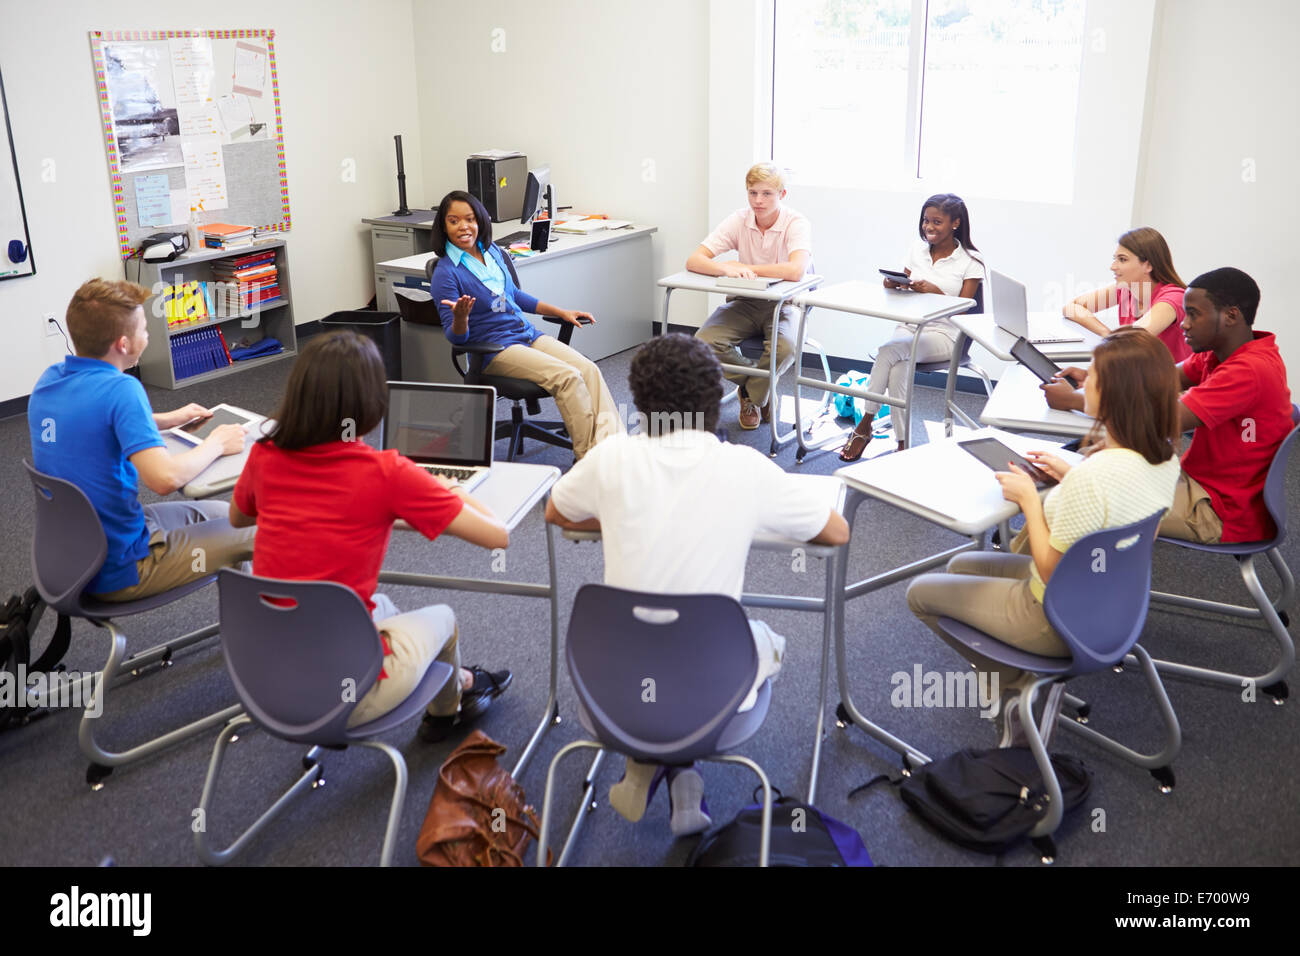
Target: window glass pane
(840, 90)
(1001, 96)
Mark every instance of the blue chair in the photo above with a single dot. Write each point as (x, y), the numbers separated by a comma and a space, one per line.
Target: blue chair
(301, 654)
(68, 549)
(659, 678)
(1272, 612)
(1099, 615)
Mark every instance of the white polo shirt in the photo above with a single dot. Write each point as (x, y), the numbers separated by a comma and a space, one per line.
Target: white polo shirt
(678, 512)
(948, 274)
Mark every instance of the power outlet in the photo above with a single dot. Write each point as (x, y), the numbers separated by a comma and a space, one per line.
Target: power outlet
(51, 325)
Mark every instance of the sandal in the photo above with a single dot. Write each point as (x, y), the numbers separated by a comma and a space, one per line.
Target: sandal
(854, 447)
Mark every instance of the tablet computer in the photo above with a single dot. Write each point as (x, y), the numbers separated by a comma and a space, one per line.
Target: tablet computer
(896, 276)
(196, 430)
(995, 455)
(1038, 363)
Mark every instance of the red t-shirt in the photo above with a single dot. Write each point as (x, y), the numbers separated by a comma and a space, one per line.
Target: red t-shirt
(1245, 409)
(1172, 336)
(325, 513)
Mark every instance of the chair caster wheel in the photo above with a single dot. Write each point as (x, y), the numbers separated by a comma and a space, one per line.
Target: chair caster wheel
(1279, 692)
(1284, 618)
(842, 718)
(95, 776)
(1165, 778)
(1118, 668)
(798, 458)
(1083, 712)
(591, 807)
(555, 714)
(308, 763)
(772, 452)
(318, 782)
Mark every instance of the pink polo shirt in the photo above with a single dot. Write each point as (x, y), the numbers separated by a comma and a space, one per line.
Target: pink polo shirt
(1172, 335)
(739, 231)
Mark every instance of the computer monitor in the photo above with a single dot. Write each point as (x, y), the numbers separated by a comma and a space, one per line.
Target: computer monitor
(537, 191)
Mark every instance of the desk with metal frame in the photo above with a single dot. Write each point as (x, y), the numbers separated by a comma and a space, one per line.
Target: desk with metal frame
(778, 294)
(859, 297)
(1018, 404)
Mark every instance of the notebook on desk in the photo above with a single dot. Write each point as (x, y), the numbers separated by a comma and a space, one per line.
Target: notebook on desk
(446, 429)
(1011, 313)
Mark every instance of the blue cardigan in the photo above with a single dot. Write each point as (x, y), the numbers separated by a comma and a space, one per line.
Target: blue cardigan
(486, 325)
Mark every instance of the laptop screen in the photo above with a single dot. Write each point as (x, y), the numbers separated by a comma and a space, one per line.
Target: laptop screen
(441, 424)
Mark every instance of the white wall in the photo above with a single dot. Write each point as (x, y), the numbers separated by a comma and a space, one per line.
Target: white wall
(1221, 165)
(612, 95)
(347, 85)
(857, 229)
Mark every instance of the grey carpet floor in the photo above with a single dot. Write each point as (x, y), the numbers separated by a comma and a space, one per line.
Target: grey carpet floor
(1234, 804)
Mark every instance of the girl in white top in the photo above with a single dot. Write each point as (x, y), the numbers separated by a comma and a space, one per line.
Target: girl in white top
(1132, 391)
(941, 263)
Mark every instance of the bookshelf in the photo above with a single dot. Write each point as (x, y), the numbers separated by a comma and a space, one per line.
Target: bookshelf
(236, 322)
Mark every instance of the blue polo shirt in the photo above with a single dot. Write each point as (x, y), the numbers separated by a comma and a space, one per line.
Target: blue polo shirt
(86, 420)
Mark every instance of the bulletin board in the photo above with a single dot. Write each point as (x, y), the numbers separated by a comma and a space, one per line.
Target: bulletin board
(15, 241)
(192, 127)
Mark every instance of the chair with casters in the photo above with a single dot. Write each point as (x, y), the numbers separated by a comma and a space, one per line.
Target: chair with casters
(68, 549)
(693, 654)
(1272, 612)
(1099, 614)
(293, 649)
(522, 393)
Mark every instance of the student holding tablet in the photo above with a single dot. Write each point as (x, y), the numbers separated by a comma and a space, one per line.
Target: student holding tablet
(324, 503)
(940, 263)
(1132, 391)
(92, 425)
(1146, 290)
(479, 302)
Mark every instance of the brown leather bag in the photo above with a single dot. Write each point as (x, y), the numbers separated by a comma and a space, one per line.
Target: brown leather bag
(477, 816)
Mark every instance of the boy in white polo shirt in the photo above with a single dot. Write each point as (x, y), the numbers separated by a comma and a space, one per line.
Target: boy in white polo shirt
(773, 242)
(677, 510)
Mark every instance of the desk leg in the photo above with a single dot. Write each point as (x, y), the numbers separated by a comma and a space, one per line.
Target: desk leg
(798, 392)
(663, 326)
(905, 435)
(828, 610)
(950, 386)
(552, 713)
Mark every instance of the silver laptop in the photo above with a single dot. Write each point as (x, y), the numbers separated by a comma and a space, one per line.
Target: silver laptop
(1011, 313)
(447, 429)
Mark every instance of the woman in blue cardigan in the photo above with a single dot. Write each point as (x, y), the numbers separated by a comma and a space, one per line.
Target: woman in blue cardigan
(480, 303)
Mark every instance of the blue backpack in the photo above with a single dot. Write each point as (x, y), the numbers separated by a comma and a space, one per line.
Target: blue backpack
(801, 836)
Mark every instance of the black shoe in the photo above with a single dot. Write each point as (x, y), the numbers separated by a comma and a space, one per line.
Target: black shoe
(474, 702)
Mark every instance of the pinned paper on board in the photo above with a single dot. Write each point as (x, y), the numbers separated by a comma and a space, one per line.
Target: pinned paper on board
(205, 173)
(250, 69)
(153, 200)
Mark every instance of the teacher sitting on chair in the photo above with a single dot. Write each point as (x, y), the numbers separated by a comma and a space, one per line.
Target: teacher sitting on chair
(480, 303)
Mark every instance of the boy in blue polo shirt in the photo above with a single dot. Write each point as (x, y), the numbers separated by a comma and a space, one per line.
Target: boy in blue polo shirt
(92, 425)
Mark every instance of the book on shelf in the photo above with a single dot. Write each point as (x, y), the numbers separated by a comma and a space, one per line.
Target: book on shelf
(198, 351)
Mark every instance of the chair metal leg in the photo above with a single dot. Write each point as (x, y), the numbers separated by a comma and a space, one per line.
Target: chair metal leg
(546, 795)
(551, 716)
(103, 760)
(765, 839)
(220, 857)
(1265, 608)
(399, 798)
(1055, 809)
(585, 807)
(1173, 731)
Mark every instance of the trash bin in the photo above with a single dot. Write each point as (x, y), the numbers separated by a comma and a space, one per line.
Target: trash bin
(384, 328)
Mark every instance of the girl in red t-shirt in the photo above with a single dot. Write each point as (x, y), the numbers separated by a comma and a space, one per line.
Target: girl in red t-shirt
(1146, 290)
(324, 503)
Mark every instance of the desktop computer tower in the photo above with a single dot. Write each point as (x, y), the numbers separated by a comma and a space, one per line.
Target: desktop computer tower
(499, 185)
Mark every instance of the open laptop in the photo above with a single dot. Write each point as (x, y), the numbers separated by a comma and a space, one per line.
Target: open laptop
(447, 429)
(1011, 313)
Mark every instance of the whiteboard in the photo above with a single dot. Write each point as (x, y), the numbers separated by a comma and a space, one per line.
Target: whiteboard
(192, 128)
(15, 241)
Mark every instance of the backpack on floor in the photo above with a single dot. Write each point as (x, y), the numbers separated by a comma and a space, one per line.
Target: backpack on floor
(988, 800)
(801, 836)
(19, 618)
(846, 406)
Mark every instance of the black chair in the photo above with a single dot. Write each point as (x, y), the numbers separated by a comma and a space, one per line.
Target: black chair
(522, 393)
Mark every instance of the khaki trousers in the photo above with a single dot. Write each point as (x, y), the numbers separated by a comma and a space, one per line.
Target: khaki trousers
(187, 540)
(988, 590)
(739, 319)
(1192, 517)
(573, 380)
(415, 640)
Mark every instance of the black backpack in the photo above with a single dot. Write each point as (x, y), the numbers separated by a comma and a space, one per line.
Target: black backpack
(801, 836)
(989, 800)
(19, 618)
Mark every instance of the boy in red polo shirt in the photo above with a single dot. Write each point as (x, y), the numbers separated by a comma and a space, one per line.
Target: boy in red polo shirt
(1238, 402)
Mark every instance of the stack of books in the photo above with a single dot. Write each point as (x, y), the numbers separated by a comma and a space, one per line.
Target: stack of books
(199, 351)
(254, 279)
(187, 303)
(222, 235)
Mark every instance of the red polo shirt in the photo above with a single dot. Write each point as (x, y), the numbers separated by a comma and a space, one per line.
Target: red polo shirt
(1245, 409)
(325, 513)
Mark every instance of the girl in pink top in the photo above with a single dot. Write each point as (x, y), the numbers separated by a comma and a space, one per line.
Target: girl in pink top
(1146, 289)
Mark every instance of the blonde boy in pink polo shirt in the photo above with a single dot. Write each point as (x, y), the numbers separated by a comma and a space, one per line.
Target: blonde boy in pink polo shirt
(773, 242)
